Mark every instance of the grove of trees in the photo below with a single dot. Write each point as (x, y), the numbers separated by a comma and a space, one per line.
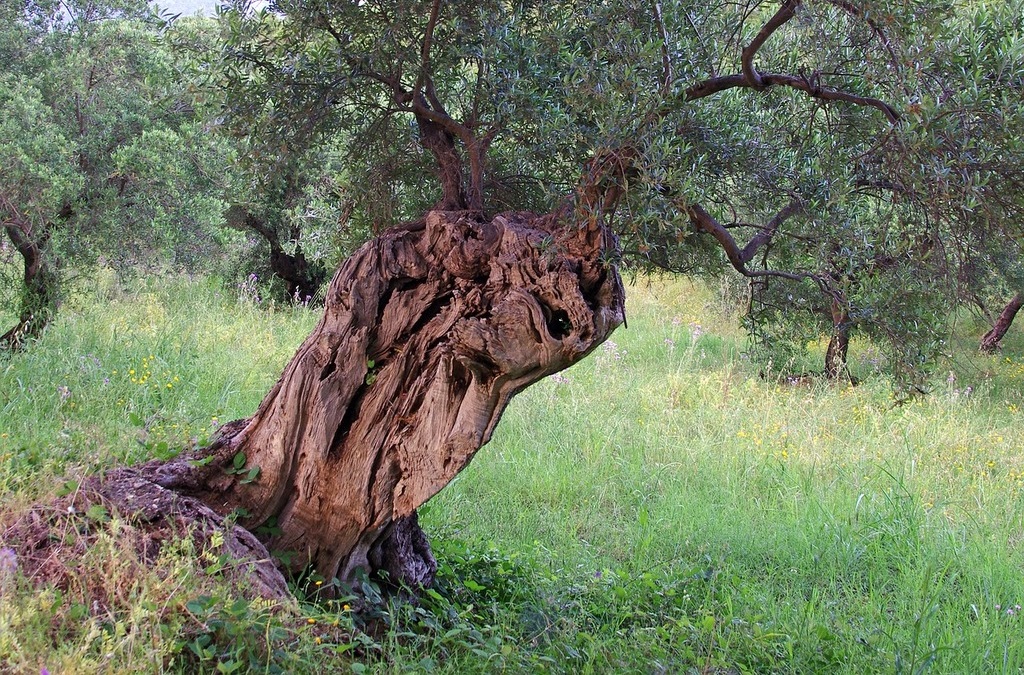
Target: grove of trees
(861, 164)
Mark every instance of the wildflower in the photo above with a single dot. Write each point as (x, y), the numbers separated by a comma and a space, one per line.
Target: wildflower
(670, 343)
(310, 621)
(558, 378)
(345, 608)
(65, 393)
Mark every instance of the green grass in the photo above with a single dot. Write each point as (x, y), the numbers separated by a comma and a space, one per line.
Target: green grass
(660, 509)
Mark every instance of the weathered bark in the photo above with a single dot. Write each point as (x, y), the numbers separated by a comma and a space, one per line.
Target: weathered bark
(839, 344)
(428, 332)
(40, 290)
(990, 341)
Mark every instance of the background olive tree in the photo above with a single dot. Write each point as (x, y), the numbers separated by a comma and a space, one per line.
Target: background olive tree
(102, 157)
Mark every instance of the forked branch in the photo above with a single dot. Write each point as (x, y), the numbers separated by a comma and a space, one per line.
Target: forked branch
(750, 78)
(739, 257)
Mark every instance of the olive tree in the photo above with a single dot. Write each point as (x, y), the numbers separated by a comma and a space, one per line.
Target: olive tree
(100, 154)
(544, 142)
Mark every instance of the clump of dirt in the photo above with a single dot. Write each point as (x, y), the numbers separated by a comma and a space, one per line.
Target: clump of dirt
(48, 542)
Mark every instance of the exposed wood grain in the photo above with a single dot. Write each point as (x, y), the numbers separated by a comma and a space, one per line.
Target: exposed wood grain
(428, 332)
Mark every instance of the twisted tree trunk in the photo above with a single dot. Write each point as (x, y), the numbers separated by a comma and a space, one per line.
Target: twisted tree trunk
(301, 279)
(40, 289)
(990, 341)
(428, 332)
(839, 343)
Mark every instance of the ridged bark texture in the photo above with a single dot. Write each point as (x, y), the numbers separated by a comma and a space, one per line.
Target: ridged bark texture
(428, 332)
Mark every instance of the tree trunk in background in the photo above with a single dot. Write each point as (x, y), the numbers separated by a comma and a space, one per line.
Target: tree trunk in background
(40, 291)
(839, 344)
(301, 279)
(991, 339)
(428, 332)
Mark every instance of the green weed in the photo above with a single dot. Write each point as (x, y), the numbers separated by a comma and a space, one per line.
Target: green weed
(658, 508)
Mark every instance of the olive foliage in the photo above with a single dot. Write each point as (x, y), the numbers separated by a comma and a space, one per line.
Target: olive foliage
(101, 156)
(858, 162)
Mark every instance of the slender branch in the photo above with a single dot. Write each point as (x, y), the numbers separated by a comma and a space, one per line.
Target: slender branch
(428, 39)
(814, 90)
(666, 63)
(811, 88)
(853, 10)
(706, 222)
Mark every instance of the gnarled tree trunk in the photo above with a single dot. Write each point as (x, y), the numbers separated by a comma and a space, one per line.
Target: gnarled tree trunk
(40, 294)
(839, 344)
(428, 332)
(990, 341)
(301, 279)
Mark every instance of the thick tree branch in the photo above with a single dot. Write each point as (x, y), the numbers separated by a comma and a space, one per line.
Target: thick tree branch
(813, 89)
(765, 235)
(750, 74)
(437, 133)
(705, 222)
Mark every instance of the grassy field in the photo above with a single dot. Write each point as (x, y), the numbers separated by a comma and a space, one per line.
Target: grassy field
(656, 509)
